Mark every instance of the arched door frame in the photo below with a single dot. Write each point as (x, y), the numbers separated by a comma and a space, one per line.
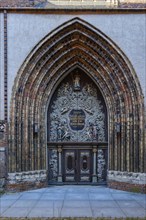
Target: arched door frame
(76, 43)
(96, 148)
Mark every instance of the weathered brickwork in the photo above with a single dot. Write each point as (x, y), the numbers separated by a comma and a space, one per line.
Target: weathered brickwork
(127, 187)
(2, 162)
(127, 181)
(127, 177)
(3, 153)
(26, 180)
(3, 167)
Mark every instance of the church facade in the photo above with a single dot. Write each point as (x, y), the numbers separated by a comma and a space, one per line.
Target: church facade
(73, 97)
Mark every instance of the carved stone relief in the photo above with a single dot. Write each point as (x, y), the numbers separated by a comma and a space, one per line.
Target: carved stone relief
(77, 113)
(53, 165)
(101, 163)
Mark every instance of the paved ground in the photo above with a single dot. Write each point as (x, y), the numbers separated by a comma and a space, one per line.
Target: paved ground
(73, 201)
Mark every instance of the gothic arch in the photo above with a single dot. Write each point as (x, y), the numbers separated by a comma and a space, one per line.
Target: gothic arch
(76, 43)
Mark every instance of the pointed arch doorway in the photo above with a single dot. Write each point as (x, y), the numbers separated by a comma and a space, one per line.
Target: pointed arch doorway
(77, 131)
(75, 43)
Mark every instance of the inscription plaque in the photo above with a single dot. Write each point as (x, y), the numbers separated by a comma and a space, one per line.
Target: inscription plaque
(77, 119)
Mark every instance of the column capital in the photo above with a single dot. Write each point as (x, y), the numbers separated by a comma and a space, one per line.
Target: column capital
(59, 149)
(94, 149)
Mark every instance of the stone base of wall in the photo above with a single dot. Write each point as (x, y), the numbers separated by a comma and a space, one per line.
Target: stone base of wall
(26, 180)
(137, 188)
(25, 186)
(3, 167)
(127, 181)
(2, 184)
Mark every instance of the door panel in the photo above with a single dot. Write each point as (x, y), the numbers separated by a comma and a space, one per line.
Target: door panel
(77, 166)
(85, 170)
(70, 165)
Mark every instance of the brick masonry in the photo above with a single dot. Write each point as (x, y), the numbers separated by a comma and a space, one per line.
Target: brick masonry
(2, 162)
(3, 153)
(127, 181)
(3, 167)
(127, 177)
(26, 180)
(136, 188)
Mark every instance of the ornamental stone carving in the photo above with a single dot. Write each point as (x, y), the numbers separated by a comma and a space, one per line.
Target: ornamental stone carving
(53, 165)
(77, 112)
(101, 162)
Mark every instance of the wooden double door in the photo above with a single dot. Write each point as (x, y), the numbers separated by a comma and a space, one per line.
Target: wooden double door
(77, 165)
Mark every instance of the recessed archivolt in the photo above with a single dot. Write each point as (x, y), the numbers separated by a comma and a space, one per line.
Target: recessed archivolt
(76, 44)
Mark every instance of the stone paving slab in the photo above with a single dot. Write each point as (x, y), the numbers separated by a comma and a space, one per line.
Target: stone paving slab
(24, 203)
(128, 204)
(76, 204)
(11, 196)
(73, 201)
(139, 197)
(41, 212)
(76, 212)
(30, 196)
(49, 204)
(123, 196)
(134, 212)
(108, 212)
(6, 203)
(16, 212)
(77, 196)
(142, 203)
(52, 196)
(102, 204)
(100, 196)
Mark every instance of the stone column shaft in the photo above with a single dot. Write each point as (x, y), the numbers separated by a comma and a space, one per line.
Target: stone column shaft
(94, 177)
(60, 165)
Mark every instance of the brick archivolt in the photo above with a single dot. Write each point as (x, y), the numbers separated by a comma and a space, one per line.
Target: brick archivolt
(76, 44)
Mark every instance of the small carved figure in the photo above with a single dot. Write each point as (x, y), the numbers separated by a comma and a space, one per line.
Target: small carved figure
(65, 106)
(77, 82)
(94, 132)
(59, 132)
(89, 131)
(66, 87)
(89, 89)
(66, 136)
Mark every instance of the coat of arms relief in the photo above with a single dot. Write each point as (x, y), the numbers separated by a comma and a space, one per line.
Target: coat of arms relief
(77, 112)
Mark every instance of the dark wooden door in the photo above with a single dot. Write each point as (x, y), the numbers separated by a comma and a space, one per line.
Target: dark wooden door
(77, 166)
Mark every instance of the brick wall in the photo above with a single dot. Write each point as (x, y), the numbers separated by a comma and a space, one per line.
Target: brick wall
(3, 168)
(27, 180)
(137, 188)
(3, 154)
